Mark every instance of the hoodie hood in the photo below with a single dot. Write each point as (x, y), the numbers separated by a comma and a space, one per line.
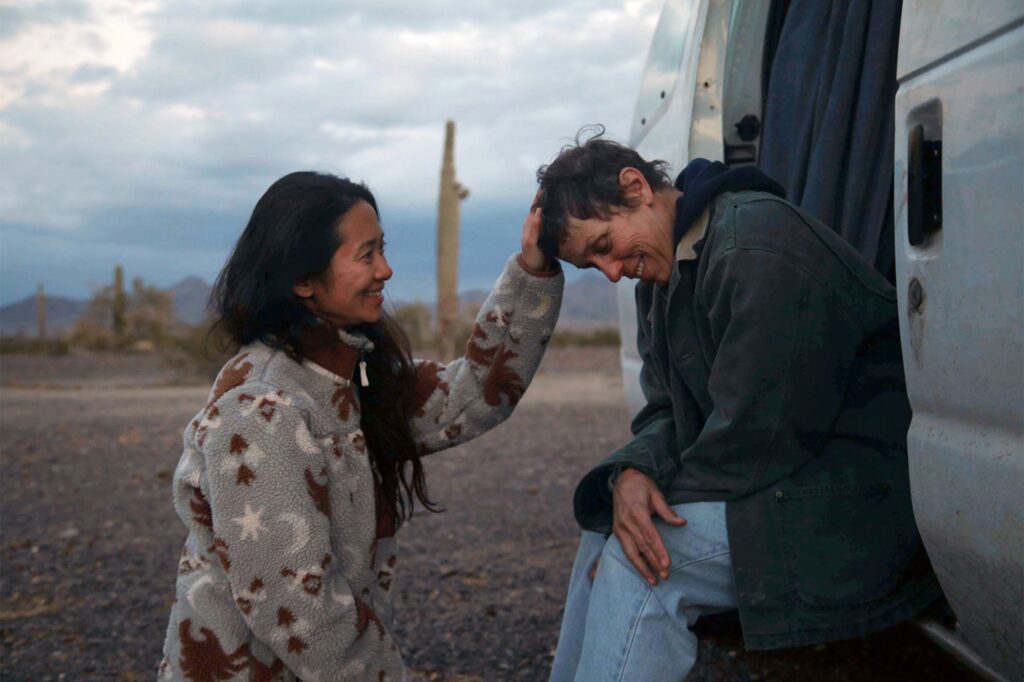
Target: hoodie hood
(702, 180)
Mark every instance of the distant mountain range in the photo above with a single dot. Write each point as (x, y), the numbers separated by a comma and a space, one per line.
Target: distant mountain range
(588, 303)
(188, 297)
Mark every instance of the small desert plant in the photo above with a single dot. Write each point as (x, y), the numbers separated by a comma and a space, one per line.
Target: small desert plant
(149, 314)
(417, 321)
(93, 334)
(115, 320)
(603, 336)
(203, 347)
(464, 325)
(34, 345)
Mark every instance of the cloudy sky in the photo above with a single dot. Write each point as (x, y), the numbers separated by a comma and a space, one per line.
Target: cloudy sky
(142, 132)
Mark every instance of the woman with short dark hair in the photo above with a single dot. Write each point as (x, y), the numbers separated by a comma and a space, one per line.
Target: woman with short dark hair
(306, 458)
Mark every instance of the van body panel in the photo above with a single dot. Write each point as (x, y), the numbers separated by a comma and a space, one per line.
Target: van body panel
(961, 71)
(741, 89)
(962, 318)
(671, 66)
(706, 119)
(661, 131)
(933, 29)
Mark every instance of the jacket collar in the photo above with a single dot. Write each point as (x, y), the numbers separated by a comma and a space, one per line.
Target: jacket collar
(694, 233)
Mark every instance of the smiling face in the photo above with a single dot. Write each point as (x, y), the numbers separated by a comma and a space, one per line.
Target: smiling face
(351, 290)
(633, 242)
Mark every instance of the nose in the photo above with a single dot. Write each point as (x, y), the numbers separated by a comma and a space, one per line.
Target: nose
(383, 271)
(612, 269)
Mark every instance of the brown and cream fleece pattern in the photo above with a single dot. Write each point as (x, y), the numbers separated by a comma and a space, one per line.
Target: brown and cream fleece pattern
(287, 572)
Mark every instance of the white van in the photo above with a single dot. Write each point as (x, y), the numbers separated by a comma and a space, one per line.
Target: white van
(957, 146)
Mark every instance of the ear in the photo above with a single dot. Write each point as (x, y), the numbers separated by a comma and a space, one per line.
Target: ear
(302, 288)
(635, 189)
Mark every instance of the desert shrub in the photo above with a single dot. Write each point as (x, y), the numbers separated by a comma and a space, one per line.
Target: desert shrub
(34, 345)
(464, 325)
(92, 334)
(603, 336)
(149, 314)
(202, 348)
(417, 321)
(142, 320)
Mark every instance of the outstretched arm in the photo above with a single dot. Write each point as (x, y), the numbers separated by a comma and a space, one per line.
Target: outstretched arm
(468, 396)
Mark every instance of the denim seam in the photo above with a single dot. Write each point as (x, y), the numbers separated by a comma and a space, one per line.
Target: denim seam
(691, 563)
(632, 635)
(697, 561)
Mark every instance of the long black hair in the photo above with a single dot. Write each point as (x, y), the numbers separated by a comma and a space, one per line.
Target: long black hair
(293, 233)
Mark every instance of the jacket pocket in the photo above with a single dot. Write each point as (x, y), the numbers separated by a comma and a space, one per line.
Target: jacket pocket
(843, 545)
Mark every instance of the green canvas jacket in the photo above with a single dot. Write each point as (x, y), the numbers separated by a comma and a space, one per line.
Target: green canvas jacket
(774, 381)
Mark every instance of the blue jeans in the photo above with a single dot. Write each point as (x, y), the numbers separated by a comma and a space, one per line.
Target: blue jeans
(617, 626)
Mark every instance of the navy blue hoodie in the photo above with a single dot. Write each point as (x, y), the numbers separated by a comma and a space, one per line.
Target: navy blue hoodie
(702, 180)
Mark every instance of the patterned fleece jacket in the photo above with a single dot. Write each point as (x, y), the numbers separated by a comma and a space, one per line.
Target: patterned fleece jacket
(287, 572)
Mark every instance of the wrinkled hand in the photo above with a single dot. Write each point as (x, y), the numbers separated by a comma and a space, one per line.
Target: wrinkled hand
(533, 257)
(635, 500)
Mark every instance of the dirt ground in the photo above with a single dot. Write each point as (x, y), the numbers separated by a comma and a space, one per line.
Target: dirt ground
(89, 540)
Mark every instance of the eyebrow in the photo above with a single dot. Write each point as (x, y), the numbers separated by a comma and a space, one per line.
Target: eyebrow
(589, 248)
(584, 260)
(371, 242)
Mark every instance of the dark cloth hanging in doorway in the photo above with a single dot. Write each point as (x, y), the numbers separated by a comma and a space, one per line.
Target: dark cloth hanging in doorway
(828, 115)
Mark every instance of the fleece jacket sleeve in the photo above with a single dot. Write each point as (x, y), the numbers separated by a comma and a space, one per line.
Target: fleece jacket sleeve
(460, 400)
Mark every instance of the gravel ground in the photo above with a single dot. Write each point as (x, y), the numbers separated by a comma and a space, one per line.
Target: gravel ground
(89, 540)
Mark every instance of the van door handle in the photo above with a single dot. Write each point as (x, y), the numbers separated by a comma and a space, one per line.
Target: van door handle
(924, 187)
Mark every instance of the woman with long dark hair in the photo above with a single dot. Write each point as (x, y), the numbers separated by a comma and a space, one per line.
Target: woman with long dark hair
(306, 458)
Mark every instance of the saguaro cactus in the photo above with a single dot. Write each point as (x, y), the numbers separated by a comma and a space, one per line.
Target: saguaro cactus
(119, 303)
(452, 192)
(41, 312)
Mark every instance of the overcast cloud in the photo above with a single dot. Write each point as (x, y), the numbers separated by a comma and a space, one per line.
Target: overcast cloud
(142, 132)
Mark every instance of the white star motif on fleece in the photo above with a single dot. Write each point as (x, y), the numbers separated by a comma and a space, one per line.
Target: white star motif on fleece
(251, 523)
